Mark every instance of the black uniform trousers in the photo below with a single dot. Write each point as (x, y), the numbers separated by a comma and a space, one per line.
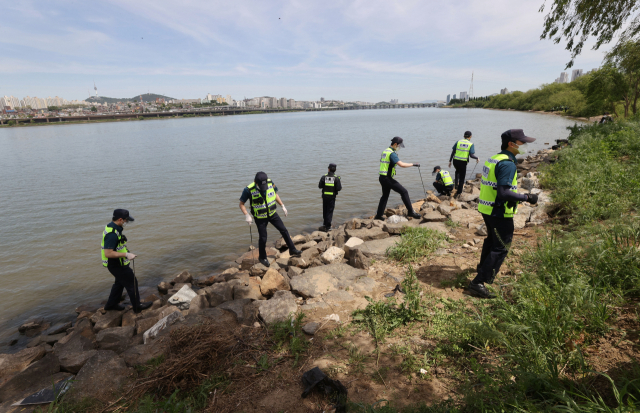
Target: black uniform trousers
(439, 186)
(328, 204)
(124, 280)
(389, 184)
(262, 233)
(461, 175)
(495, 247)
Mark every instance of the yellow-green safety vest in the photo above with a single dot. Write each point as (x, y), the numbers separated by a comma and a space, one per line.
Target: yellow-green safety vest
(446, 178)
(329, 183)
(385, 160)
(462, 150)
(489, 187)
(121, 247)
(261, 208)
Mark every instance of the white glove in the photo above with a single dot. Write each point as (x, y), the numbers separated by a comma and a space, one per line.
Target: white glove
(248, 218)
(130, 256)
(284, 210)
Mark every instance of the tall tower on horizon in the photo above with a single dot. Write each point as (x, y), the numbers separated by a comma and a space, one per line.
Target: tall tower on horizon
(471, 87)
(95, 88)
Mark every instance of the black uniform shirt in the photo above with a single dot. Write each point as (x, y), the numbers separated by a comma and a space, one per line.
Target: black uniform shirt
(337, 184)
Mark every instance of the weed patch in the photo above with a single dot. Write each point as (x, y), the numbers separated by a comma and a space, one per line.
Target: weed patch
(416, 244)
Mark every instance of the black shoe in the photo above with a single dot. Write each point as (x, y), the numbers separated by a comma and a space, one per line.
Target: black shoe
(142, 306)
(480, 290)
(295, 253)
(264, 262)
(379, 218)
(116, 307)
(414, 214)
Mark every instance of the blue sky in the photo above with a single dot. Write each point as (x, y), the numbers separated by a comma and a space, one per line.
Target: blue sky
(369, 50)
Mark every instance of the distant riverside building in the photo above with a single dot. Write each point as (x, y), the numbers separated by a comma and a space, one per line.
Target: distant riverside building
(322, 100)
(291, 104)
(449, 98)
(454, 96)
(394, 101)
(464, 96)
(564, 78)
(576, 73)
(504, 91)
(283, 103)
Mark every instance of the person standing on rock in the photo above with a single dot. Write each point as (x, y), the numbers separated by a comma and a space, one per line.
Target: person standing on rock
(264, 196)
(116, 258)
(498, 204)
(444, 182)
(330, 185)
(462, 151)
(388, 162)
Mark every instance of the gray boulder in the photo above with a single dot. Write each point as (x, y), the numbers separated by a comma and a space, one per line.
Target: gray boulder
(197, 304)
(32, 378)
(367, 234)
(294, 272)
(311, 328)
(397, 229)
(161, 325)
(100, 378)
(377, 248)
(107, 320)
(10, 364)
(433, 216)
(182, 278)
(116, 338)
(236, 307)
(247, 291)
(219, 293)
(279, 308)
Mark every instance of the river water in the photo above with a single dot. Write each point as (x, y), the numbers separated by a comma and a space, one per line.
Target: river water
(181, 180)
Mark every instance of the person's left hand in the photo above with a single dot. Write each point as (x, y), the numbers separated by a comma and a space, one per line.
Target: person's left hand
(284, 210)
(477, 160)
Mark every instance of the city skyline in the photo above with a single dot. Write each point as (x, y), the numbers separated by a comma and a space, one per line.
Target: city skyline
(346, 50)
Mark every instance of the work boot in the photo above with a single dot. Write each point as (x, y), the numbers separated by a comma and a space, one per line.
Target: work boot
(264, 262)
(480, 290)
(379, 218)
(142, 306)
(414, 214)
(117, 307)
(295, 253)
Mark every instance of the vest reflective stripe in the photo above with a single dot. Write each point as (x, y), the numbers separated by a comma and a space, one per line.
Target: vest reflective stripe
(462, 150)
(121, 247)
(489, 187)
(446, 178)
(261, 208)
(329, 183)
(385, 160)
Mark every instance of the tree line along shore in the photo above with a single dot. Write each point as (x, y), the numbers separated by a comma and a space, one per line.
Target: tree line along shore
(381, 307)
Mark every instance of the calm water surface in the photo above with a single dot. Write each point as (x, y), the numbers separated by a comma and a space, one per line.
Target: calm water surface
(181, 180)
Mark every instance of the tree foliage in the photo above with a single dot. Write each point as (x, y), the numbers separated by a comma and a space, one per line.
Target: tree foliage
(625, 57)
(577, 20)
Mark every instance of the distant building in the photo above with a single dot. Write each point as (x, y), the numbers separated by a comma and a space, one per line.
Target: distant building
(283, 103)
(322, 100)
(576, 73)
(504, 91)
(291, 104)
(464, 96)
(454, 96)
(564, 78)
(394, 101)
(228, 100)
(449, 98)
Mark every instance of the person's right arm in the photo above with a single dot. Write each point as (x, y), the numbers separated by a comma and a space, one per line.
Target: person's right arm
(321, 183)
(453, 152)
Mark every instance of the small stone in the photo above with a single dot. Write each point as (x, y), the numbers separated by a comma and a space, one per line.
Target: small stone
(333, 254)
(256, 324)
(311, 328)
(182, 278)
(477, 240)
(164, 287)
(481, 230)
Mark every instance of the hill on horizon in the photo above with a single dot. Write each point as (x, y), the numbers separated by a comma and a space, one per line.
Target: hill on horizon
(147, 97)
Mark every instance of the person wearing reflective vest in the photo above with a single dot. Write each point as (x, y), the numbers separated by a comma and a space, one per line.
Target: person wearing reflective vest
(444, 182)
(462, 151)
(264, 196)
(330, 184)
(116, 258)
(388, 162)
(498, 204)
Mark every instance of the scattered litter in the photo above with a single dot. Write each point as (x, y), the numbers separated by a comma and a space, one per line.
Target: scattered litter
(183, 297)
(48, 394)
(423, 371)
(332, 317)
(315, 378)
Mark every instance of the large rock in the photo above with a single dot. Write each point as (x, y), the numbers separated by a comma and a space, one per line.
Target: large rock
(183, 297)
(158, 327)
(143, 353)
(342, 274)
(445, 209)
(470, 196)
(367, 234)
(313, 285)
(522, 217)
(197, 304)
(251, 256)
(10, 364)
(144, 324)
(258, 269)
(358, 260)
(319, 236)
(58, 328)
(33, 327)
(539, 215)
(464, 216)
(377, 248)
(37, 374)
(102, 375)
(71, 349)
(397, 229)
(395, 219)
(183, 278)
(116, 339)
(352, 242)
(272, 282)
(333, 254)
(247, 290)
(299, 239)
(298, 262)
(433, 216)
(164, 287)
(433, 198)
(294, 272)
(311, 253)
(236, 307)
(307, 245)
(279, 308)
(436, 226)
(219, 293)
(530, 183)
(107, 320)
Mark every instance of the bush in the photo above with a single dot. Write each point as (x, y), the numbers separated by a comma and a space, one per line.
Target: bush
(416, 244)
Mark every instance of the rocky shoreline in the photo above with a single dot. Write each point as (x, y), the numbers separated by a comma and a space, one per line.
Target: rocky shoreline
(95, 356)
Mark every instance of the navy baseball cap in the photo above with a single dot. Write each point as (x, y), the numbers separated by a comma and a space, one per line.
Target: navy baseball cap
(397, 140)
(435, 169)
(332, 166)
(122, 213)
(261, 181)
(513, 135)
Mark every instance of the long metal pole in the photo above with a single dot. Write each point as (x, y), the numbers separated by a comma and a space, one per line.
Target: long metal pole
(423, 188)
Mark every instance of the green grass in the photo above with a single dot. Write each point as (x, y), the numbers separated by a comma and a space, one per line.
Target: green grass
(416, 244)
(288, 336)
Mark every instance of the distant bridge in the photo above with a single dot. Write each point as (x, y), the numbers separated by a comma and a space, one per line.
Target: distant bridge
(215, 111)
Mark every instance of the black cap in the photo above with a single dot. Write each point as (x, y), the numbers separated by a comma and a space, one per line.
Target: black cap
(435, 169)
(397, 140)
(261, 181)
(513, 135)
(122, 213)
(467, 134)
(332, 166)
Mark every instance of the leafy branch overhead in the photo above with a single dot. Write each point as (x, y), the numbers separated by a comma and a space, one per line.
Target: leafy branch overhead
(577, 20)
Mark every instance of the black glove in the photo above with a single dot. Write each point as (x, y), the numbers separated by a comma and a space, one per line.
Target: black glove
(532, 199)
(416, 164)
(511, 204)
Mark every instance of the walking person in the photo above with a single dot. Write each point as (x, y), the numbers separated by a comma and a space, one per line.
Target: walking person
(116, 258)
(444, 182)
(498, 204)
(388, 162)
(264, 196)
(330, 185)
(462, 151)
